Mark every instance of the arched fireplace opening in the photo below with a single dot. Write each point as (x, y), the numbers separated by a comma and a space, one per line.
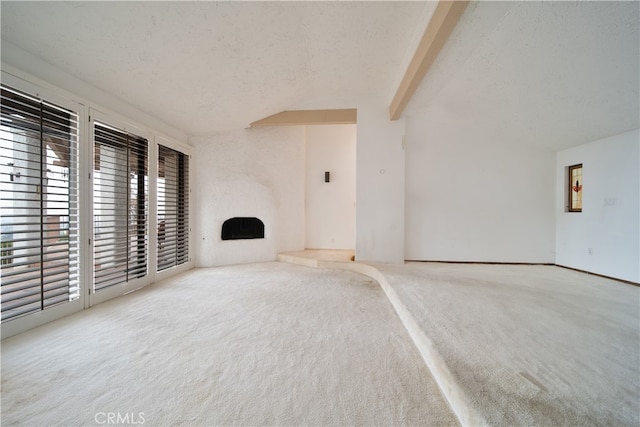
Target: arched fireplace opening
(242, 228)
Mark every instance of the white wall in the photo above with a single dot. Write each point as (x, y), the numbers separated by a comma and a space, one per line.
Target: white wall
(249, 173)
(472, 197)
(331, 207)
(379, 185)
(17, 61)
(608, 223)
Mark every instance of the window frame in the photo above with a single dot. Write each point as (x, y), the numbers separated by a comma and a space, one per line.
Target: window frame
(178, 235)
(40, 184)
(570, 188)
(119, 123)
(187, 150)
(50, 95)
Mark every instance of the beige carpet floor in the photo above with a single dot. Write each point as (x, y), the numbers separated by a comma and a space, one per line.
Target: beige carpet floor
(526, 345)
(259, 344)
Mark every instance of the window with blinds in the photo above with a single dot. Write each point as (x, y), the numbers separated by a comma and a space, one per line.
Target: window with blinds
(120, 187)
(39, 204)
(173, 208)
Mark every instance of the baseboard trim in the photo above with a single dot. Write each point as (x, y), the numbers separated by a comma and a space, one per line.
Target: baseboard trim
(481, 262)
(627, 282)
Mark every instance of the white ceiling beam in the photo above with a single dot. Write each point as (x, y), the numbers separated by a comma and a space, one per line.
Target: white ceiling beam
(309, 117)
(444, 19)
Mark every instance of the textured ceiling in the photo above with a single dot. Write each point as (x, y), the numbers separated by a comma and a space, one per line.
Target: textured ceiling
(207, 66)
(553, 74)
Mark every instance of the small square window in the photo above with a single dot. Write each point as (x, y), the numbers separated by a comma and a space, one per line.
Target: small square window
(575, 188)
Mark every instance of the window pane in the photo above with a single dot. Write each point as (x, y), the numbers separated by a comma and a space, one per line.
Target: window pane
(173, 216)
(120, 183)
(575, 188)
(39, 209)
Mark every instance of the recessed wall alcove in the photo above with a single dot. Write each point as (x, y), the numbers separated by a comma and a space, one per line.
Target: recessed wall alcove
(242, 228)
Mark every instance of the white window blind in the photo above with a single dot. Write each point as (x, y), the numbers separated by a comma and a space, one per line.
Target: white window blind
(120, 183)
(173, 208)
(39, 204)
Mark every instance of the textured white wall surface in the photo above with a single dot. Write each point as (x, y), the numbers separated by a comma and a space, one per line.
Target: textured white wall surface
(248, 173)
(515, 82)
(605, 237)
(33, 69)
(379, 186)
(330, 207)
(472, 197)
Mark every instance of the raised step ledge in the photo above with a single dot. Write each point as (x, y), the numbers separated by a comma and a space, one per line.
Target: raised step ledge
(453, 393)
